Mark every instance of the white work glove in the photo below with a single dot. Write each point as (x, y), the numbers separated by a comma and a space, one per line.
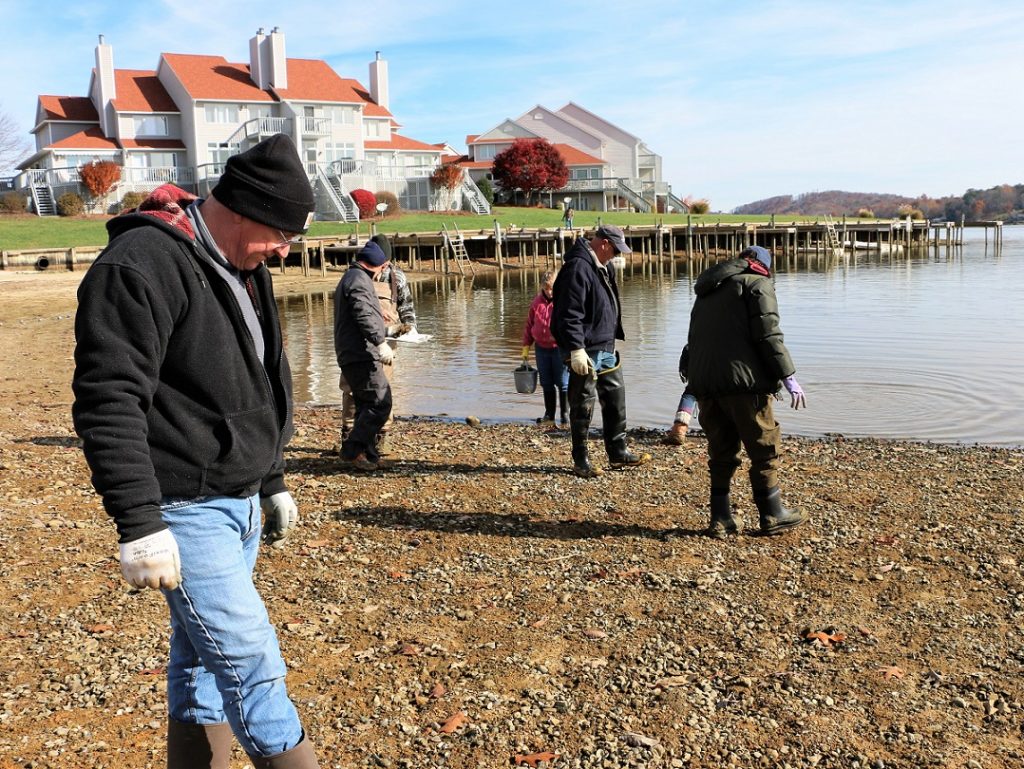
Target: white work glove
(152, 561)
(387, 355)
(280, 514)
(581, 363)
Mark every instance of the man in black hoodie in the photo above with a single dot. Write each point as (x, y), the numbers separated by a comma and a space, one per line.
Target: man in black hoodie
(737, 362)
(586, 321)
(183, 403)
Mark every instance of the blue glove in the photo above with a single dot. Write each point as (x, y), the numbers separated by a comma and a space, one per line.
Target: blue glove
(793, 388)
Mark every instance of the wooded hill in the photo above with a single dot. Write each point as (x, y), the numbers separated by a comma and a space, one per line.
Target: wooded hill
(1004, 202)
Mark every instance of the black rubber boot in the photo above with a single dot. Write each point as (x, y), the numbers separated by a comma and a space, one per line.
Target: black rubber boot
(550, 396)
(611, 390)
(723, 523)
(582, 394)
(563, 402)
(776, 519)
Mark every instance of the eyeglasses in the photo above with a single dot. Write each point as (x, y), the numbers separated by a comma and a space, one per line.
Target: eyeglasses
(615, 251)
(286, 241)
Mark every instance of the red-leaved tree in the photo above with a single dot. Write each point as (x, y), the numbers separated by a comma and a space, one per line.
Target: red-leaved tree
(100, 176)
(530, 165)
(446, 180)
(366, 202)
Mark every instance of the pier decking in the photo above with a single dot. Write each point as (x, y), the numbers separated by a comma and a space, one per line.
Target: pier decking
(518, 247)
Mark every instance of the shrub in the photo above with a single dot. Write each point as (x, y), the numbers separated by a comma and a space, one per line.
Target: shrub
(132, 200)
(100, 176)
(394, 207)
(908, 210)
(865, 213)
(701, 206)
(486, 189)
(70, 204)
(366, 202)
(13, 203)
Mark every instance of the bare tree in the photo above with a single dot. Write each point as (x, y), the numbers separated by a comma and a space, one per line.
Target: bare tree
(13, 144)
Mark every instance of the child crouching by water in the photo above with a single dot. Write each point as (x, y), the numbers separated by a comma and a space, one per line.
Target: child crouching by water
(554, 374)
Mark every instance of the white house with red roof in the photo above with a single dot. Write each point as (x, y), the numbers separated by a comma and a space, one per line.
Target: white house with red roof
(182, 121)
(609, 168)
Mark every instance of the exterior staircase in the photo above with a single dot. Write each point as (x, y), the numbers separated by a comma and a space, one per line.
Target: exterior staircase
(677, 204)
(474, 197)
(334, 198)
(42, 199)
(634, 197)
(257, 129)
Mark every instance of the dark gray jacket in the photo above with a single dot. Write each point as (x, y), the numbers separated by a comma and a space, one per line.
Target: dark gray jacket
(735, 343)
(358, 320)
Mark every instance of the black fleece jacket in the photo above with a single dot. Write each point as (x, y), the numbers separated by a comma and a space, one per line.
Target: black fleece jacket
(587, 313)
(171, 399)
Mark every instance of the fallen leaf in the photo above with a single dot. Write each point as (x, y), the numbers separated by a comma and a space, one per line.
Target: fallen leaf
(668, 683)
(315, 543)
(595, 633)
(887, 568)
(409, 650)
(828, 640)
(864, 631)
(399, 575)
(891, 672)
(454, 722)
(631, 573)
(538, 623)
(637, 740)
(438, 691)
(532, 759)
(98, 628)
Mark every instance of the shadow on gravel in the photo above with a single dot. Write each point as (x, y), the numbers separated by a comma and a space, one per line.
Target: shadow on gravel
(64, 441)
(502, 524)
(328, 463)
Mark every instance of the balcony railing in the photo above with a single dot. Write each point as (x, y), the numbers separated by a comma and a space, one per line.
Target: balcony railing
(315, 126)
(591, 185)
(158, 175)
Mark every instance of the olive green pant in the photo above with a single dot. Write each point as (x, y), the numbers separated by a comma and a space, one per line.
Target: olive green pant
(348, 404)
(732, 421)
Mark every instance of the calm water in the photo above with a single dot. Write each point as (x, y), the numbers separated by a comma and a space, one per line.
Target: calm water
(927, 348)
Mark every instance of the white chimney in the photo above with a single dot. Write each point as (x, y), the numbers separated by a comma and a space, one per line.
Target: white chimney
(379, 81)
(267, 64)
(278, 63)
(106, 91)
(257, 70)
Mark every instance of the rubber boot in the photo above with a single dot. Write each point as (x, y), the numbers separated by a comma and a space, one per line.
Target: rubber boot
(723, 523)
(611, 390)
(582, 394)
(776, 519)
(198, 746)
(563, 402)
(549, 406)
(299, 757)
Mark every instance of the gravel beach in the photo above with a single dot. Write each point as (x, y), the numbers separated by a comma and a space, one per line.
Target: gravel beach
(476, 605)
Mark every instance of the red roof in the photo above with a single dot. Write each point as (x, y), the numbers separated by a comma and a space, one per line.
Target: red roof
(470, 138)
(152, 144)
(79, 109)
(140, 91)
(399, 142)
(314, 80)
(213, 77)
(89, 139)
(575, 157)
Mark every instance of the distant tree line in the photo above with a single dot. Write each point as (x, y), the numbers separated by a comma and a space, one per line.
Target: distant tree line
(1005, 201)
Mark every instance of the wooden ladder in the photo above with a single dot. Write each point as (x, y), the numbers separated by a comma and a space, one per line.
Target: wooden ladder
(457, 248)
(832, 237)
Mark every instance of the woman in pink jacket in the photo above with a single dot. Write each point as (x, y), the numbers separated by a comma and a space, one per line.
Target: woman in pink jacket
(554, 374)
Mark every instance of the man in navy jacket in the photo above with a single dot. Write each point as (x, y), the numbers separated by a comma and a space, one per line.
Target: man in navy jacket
(587, 320)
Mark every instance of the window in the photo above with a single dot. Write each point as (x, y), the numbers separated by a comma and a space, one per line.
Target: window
(150, 125)
(221, 113)
(375, 129)
(219, 154)
(339, 151)
(341, 115)
(487, 151)
(261, 111)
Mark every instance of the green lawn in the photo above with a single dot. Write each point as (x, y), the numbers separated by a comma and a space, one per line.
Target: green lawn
(26, 232)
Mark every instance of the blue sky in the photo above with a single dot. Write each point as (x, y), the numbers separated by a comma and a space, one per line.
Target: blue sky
(743, 100)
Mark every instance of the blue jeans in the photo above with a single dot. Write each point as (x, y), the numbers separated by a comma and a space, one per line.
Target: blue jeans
(552, 369)
(225, 662)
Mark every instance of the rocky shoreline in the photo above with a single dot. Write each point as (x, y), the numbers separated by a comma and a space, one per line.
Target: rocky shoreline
(475, 604)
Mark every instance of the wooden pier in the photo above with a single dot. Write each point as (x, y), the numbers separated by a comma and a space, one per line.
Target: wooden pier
(516, 247)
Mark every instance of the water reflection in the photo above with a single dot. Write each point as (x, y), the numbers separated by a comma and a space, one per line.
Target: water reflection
(927, 347)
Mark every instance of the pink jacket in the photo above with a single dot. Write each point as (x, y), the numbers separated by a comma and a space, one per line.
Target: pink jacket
(538, 323)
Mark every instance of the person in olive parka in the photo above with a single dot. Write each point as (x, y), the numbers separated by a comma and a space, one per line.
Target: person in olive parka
(737, 362)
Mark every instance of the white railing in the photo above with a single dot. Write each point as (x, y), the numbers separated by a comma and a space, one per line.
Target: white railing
(316, 126)
(259, 127)
(158, 175)
(591, 185)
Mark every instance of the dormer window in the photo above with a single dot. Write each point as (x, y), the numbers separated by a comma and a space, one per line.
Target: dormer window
(150, 125)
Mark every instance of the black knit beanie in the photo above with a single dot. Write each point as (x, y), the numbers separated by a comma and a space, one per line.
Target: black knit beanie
(268, 184)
